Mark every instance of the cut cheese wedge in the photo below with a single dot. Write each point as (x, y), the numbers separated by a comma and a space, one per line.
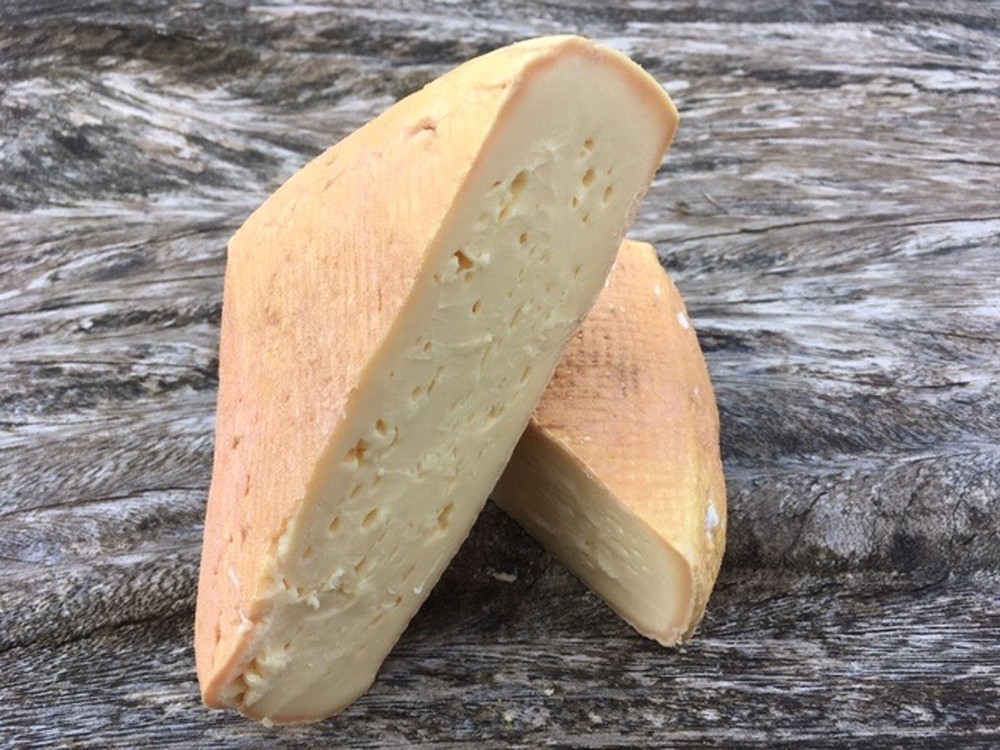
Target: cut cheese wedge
(391, 317)
(619, 473)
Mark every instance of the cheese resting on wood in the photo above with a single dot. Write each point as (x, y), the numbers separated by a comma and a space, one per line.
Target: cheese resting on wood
(391, 317)
(619, 472)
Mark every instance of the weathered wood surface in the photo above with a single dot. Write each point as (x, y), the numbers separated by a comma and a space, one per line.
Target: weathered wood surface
(831, 211)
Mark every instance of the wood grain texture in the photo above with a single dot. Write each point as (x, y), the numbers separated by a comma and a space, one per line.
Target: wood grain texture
(831, 212)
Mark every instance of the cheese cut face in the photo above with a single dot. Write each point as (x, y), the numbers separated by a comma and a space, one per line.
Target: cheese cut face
(619, 473)
(391, 317)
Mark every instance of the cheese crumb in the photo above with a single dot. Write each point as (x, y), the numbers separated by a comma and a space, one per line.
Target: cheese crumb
(683, 320)
(657, 290)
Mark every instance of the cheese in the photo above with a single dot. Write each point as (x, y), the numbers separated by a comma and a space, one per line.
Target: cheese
(391, 317)
(619, 473)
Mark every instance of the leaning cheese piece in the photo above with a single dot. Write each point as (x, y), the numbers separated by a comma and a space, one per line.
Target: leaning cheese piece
(391, 317)
(619, 473)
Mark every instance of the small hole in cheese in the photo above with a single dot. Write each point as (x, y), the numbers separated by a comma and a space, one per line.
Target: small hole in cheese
(589, 144)
(370, 518)
(464, 264)
(335, 525)
(416, 393)
(381, 427)
(362, 565)
(608, 194)
(588, 178)
(575, 203)
(357, 453)
(434, 380)
(518, 184)
(517, 187)
(523, 239)
(444, 517)
(526, 374)
(476, 306)
(427, 347)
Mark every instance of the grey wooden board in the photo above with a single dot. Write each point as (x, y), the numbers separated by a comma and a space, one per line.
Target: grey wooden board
(831, 212)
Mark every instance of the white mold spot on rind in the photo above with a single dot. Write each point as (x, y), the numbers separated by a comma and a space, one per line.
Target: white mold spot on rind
(711, 519)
